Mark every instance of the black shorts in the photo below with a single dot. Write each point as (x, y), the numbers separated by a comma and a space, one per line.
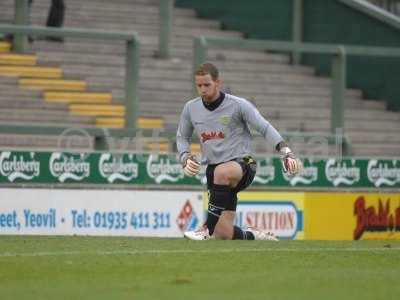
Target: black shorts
(249, 167)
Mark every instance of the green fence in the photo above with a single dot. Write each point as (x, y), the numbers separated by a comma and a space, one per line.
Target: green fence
(248, 17)
(327, 21)
(146, 169)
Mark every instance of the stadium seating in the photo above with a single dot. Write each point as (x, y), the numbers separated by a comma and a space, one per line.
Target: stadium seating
(291, 97)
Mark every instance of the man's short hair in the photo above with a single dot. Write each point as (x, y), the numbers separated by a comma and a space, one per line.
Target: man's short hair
(207, 68)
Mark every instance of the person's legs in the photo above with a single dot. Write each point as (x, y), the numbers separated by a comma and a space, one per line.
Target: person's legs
(55, 17)
(220, 181)
(226, 178)
(224, 181)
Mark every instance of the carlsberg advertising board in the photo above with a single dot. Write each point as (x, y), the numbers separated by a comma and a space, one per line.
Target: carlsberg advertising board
(155, 169)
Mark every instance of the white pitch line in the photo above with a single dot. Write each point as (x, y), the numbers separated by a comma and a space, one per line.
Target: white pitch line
(191, 251)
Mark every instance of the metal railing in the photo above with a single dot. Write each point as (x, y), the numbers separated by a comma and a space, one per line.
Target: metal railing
(392, 6)
(131, 67)
(164, 37)
(164, 40)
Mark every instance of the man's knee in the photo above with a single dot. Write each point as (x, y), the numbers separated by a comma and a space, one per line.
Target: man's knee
(228, 173)
(221, 176)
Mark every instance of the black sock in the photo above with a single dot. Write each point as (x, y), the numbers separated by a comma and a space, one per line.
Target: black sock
(240, 234)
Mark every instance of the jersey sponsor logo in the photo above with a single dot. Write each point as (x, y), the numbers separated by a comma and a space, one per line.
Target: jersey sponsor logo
(383, 173)
(23, 165)
(211, 135)
(118, 168)
(225, 120)
(65, 166)
(342, 172)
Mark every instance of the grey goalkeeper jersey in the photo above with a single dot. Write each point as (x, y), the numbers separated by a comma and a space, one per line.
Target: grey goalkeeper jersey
(224, 133)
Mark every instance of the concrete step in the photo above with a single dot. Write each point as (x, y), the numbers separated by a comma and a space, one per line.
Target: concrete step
(52, 84)
(7, 81)
(30, 71)
(73, 62)
(98, 110)
(378, 150)
(18, 59)
(110, 122)
(152, 30)
(142, 122)
(300, 112)
(278, 87)
(100, 9)
(5, 47)
(102, 77)
(179, 48)
(31, 142)
(302, 147)
(8, 93)
(41, 116)
(170, 84)
(78, 97)
(269, 64)
(32, 104)
(351, 114)
(264, 102)
(148, 20)
(316, 125)
(247, 55)
(244, 66)
(361, 137)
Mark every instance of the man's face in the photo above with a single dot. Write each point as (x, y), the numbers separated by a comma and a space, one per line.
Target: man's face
(207, 88)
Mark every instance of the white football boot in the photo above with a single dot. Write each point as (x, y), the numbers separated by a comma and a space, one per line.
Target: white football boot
(263, 235)
(200, 234)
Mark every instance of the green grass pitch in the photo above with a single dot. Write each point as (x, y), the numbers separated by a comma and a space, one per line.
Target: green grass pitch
(33, 267)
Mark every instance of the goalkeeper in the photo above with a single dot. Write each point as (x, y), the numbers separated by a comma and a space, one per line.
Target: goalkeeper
(222, 121)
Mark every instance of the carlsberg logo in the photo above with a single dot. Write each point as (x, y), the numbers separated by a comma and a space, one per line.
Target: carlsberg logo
(161, 169)
(114, 168)
(383, 173)
(340, 173)
(306, 176)
(65, 166)
(265, 173)
(14, 166)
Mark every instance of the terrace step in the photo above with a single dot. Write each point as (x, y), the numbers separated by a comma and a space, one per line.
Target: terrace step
(18, 59)
(31, 71)
(52, 84)
(78, 97)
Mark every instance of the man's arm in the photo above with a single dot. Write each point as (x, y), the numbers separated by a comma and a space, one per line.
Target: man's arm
(252, 116)
(184, 134)
(183, 139)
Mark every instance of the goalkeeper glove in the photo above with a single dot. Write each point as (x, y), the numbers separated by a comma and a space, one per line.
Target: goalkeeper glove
(191, 167)
(290, 163)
